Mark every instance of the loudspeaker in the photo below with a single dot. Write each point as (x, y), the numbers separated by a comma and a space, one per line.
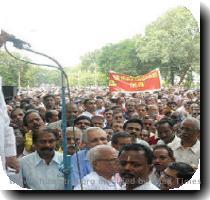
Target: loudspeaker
(9, 91)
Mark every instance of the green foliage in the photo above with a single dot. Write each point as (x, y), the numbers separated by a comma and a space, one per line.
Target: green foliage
(11, 68)
(172, 42)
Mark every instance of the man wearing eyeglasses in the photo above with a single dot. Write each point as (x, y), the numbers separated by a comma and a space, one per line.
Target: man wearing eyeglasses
(105, 166)
(187, 150)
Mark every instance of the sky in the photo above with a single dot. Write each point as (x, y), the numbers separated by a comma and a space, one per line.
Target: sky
(67, 29)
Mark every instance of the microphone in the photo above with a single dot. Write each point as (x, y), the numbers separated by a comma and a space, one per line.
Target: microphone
(18, 43)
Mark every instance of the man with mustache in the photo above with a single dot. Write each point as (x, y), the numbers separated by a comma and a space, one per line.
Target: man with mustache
(74, 135)
(135, 162)
(40, 169)
(134, 128)
(166, 133)
(163, 156)
(33, 122)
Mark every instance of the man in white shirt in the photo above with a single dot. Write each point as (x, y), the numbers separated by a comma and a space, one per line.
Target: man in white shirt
(135, 161)
(104, 161)
(188, 149)
(166, 133)
(40, 169)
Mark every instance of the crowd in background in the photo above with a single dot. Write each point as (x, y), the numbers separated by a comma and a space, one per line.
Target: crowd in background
(117, 141)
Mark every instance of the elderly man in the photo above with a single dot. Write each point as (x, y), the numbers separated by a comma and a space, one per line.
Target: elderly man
(187, 150)
(135, 167)
(40, 169)
(93, 136)
(105, 165)
(74, 135)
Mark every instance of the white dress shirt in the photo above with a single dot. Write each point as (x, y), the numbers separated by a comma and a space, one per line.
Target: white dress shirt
(189, 155)
(93, 181)
(172, 144)
(147, 186)
(37, 175)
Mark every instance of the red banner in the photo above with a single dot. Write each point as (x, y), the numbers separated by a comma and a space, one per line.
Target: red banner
(126, 83)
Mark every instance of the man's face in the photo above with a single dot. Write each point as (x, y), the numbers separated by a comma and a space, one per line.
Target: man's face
(83, 124)
(34, 122)
(145, 135)
(117, 127)
(189, 132)
(98, 122)
(118, 117)
(96, 137)
(134, 129)
(165, 132)
(49, 103)
(45, 144)
(141, 111)
(72, 141)
(134, 168)
(169, 179)
(71, 112)
(121, 141)
(90, 106)
(17, 116)
(130, 106)
(108, 115)
(148, 124)
(107, 165)
(54, 117)
(161, 159)
(152, 111)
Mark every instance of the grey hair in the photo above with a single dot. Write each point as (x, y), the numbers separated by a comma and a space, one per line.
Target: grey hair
(71, 129)
(95, 153)
(88, 130)
(195, 121)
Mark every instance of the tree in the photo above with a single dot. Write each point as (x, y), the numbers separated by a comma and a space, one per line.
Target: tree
(11, 69)
(172, 43)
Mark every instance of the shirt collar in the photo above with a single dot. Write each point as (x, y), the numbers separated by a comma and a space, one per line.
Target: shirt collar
(38, 159)
(195, 148)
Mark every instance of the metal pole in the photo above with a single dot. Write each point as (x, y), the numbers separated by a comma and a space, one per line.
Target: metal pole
(66, 157)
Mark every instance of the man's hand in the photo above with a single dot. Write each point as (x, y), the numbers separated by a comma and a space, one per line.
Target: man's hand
(13, 163)
(3, 37)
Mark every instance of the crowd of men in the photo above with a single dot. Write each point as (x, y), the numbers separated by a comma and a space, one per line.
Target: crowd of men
(117, 141)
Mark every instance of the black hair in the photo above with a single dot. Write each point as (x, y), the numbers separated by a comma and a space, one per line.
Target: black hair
(25, 123)
(48, 115)
(139, 147)
(47, 96)
(43, 131)
(133, 121)
(16, 108)
(81, 117)
(115, 136)
(184, 171)
(167, 148)
(165, 120)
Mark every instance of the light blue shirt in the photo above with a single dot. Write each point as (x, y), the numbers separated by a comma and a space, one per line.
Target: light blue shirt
(37, 175)
(84, 165)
